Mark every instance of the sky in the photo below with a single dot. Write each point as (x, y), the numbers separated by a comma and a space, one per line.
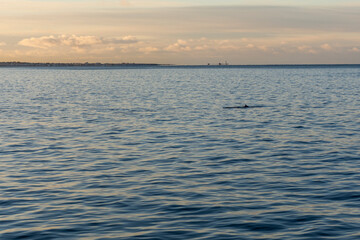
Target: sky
(181, 31)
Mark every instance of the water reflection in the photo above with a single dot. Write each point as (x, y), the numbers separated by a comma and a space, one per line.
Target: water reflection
(152, 153)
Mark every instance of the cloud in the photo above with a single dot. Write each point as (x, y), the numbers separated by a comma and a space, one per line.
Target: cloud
(326, 47)
(241, 34)
(61, 40)
(125, 3)
(179, 46)
(2, 44)
(122, 40)
(76, 42)
(148, 50)
(221, 45)
(232, 19)
(306, 49)
(250, 45)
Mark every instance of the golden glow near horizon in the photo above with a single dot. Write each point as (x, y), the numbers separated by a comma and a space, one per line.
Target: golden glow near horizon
(180, 32)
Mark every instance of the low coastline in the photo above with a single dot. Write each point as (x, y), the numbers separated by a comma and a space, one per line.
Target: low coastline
(86, 64)
(140, 65)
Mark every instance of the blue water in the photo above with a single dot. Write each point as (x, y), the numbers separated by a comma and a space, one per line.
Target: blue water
(151, 153)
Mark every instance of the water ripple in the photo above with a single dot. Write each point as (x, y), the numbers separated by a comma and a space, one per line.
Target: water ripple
(153, 154)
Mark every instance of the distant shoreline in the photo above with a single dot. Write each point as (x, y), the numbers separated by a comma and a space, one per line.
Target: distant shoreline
(30, 64)
(140, 65)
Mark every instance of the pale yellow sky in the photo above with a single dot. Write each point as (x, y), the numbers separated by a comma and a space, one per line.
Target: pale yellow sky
(180, 32)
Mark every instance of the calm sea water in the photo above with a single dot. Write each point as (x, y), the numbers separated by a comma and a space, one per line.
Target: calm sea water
(151, 153)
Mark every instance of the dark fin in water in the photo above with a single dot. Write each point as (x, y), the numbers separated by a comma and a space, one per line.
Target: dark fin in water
(245, 106)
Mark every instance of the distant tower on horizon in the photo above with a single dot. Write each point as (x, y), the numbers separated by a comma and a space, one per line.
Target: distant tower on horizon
(225, 63)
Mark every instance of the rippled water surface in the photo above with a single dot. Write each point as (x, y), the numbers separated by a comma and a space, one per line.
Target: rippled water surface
(151, 153)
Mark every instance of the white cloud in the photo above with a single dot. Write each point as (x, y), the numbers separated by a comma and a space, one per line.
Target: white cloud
(263, 48)
(179, 46)
(326, 47)
(121, 40)
(250, 45)
(148, 50)
(203, 44)
(76, 42)
(306, 49)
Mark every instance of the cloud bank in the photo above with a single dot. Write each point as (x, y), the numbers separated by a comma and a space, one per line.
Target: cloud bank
(73, 41)
(194, 35)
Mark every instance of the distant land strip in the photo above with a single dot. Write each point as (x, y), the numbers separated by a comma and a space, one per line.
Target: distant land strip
(87, 64)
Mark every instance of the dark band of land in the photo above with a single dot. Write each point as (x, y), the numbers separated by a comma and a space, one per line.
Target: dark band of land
(86, 64)
(135, 65)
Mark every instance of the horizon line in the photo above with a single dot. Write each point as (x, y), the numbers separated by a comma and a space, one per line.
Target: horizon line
(14, 63)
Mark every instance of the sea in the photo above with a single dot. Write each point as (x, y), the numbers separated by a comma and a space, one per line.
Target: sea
(169, 152)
